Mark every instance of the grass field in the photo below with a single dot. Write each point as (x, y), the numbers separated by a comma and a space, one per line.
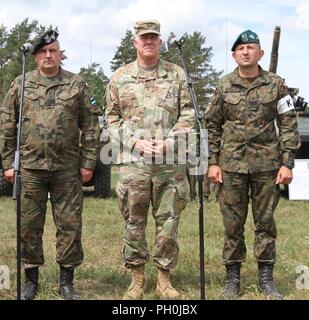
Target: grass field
(102, 276)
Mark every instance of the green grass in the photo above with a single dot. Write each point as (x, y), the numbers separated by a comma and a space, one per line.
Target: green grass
(102, 276)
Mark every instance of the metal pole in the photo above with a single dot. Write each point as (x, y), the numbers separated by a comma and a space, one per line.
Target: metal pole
(17, 179)
(202, 250)
(202, 150)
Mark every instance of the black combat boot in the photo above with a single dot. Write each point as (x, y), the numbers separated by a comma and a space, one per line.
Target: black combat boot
(30, 289)
(66, 288)
(232, 283)
(266, 281)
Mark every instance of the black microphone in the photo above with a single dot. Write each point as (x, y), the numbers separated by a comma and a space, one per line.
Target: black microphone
(27, 47)
(175, 43)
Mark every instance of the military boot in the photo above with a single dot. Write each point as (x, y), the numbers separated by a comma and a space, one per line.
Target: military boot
(66, 288)
(232, 283)
(266, 281)
(31, 284)
(164, 287)
(138, 285)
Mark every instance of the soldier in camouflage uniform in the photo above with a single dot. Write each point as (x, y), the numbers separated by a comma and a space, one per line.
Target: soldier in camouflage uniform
(248, 155)
(150, 95)
(57, 111)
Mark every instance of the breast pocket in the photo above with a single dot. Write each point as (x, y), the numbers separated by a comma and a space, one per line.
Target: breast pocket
(31, 100)
(168, 106)
(231, 107)
(67, 102)
(269, 106)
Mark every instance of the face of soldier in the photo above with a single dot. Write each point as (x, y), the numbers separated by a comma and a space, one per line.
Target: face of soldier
(148, 47)
(48, 59)
(248, 55)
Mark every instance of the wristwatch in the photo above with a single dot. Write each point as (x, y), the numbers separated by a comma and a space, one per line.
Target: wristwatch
(290, 164)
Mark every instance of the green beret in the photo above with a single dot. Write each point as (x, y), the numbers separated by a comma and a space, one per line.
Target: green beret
(246, 37)
(45, 39)
(147, 26)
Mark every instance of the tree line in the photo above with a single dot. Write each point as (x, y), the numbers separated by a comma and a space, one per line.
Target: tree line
(197, 58)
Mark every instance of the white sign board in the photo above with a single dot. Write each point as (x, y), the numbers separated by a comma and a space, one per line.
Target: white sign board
(299, 188)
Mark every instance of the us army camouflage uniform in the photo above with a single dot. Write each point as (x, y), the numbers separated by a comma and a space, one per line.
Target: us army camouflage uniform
(55, 112)
(244, 143)
(151, 100)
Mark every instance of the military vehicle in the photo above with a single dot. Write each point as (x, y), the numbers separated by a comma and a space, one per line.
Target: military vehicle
(300, 104)
(101, 180)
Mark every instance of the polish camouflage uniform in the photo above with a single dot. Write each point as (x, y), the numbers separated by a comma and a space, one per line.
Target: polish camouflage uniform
(55, 112)
(157, 101)
(244, 143)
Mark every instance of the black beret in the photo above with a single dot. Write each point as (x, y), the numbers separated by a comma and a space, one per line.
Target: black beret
(246, 37)
(43, 40)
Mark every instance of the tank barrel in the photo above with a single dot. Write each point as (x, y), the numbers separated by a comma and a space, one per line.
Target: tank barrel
(275, 50)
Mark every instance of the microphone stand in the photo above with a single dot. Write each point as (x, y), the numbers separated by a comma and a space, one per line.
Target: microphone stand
(17, 178)
(202, 153)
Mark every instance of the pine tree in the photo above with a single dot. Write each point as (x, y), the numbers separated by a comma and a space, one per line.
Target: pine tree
(3, 58)
(197, 59)
(125, 52)
(11, 56)
(97, 81)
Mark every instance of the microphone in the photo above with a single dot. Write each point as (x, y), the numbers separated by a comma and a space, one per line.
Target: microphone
(27, 47)
(175, 43)
(178, 43)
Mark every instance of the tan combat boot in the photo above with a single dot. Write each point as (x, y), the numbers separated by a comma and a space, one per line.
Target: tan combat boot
(138, 284)
(164, 287)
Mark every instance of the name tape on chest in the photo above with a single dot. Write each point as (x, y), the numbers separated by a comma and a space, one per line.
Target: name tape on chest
(285, 104)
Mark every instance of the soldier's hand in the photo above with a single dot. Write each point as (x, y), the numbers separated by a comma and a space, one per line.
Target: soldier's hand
(146, 148)
(86, 174)
(9, 175)
(160, 146)
(215, 174)
(284, 176)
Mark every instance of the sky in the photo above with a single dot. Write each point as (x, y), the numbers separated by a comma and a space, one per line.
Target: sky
(91, 30)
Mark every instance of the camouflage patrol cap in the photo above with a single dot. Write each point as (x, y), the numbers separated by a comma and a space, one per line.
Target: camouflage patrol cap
(147, 26)
(45, 39)
(246, 37)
